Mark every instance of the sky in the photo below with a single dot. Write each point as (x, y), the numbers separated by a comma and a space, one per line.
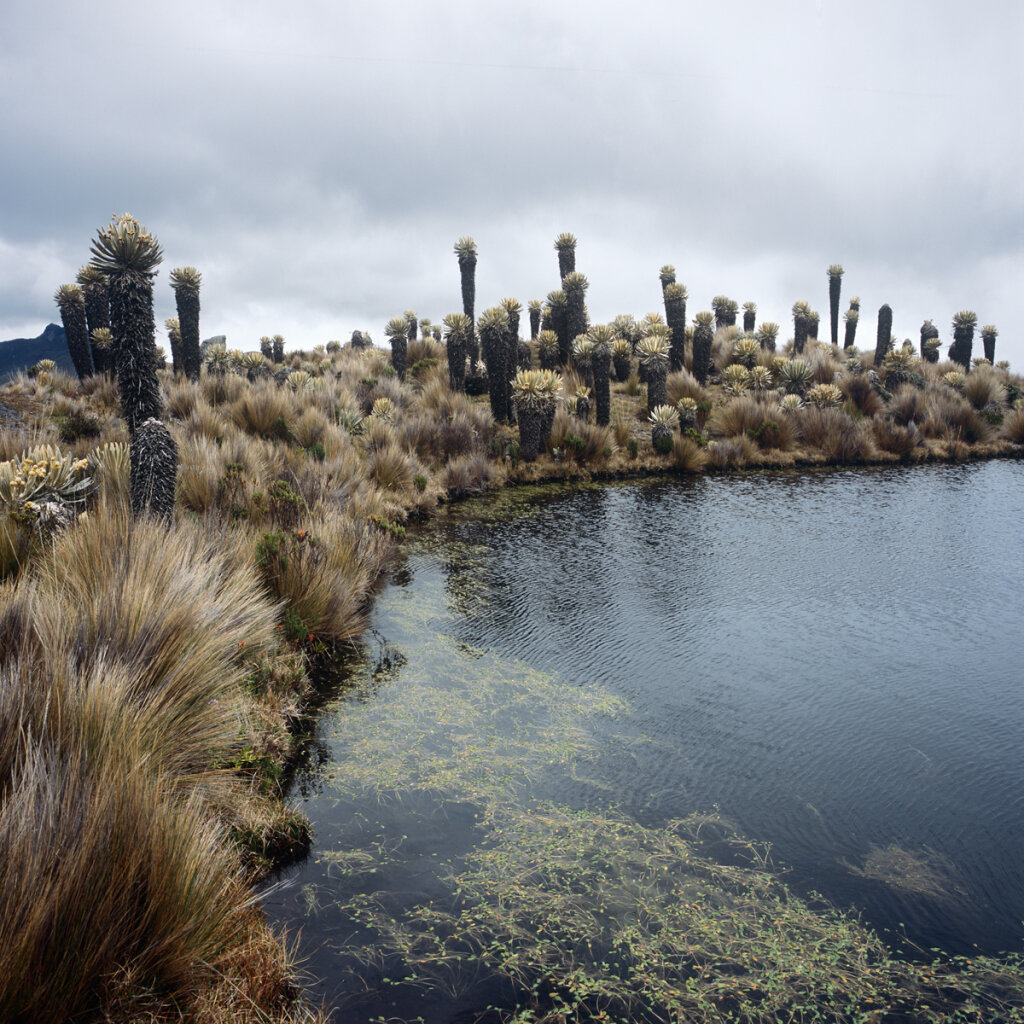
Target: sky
(317, 161)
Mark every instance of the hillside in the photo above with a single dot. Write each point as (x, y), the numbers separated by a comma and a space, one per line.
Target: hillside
(21, 353)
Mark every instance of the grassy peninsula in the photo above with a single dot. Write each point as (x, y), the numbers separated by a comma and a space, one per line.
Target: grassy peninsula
(185, 547)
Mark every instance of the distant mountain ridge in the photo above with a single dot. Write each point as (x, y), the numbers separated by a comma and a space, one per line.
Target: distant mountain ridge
(21, 353)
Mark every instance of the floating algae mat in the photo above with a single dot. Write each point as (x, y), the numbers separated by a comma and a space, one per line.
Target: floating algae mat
(479, 856)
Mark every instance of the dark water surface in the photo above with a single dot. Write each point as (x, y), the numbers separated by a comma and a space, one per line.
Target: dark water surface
(833, 660)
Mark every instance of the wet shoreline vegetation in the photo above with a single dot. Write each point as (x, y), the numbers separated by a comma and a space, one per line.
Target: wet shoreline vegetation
(186, 550)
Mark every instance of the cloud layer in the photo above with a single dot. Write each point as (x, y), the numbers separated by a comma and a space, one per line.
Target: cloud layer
(317, 165)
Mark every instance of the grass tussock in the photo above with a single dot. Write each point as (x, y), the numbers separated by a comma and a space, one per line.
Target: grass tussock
(688, 455)
(833, 433)
(683, 384)
(984, 388)
(150, 673)
(1013, 426)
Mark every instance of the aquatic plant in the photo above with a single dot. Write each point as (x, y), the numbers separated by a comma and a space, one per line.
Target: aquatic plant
(186, 282)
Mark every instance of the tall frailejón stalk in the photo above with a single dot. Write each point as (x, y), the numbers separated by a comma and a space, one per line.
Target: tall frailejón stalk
(929, 342)
(492, 327)
(535, 306)
(835, 285)
(652, 351)
(850, 318)
(565, 246)
(813, 320)
(513, 309)
(703, 335)
(883, 336)
(602, 336)
(397, 331)
(575, 286)
(749, 317)
(97, 311)
(964, 323)
(726, 311)
(988, 339)
(457, 333)
(71, 303)
(129, 255)
(667, 276)
(465, 250)
(173, 326)
(674, 295)
(559, 308)
(801, 325)
(186, 281)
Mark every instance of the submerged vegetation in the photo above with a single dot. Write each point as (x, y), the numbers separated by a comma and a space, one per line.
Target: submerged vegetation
(184, 550)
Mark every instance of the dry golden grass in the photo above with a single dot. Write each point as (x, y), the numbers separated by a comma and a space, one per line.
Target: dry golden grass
(143, 658)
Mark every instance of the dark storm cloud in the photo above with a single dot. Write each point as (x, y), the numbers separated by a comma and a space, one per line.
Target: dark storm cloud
(319, 164)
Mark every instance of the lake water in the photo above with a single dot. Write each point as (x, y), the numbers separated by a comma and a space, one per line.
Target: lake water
(832, 660)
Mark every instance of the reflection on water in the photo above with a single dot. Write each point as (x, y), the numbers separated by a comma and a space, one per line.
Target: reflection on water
(833, 660)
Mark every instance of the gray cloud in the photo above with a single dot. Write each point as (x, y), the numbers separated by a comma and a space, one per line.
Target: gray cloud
(318, 165)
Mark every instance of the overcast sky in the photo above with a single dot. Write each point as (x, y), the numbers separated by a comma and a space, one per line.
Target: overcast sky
(317, 161)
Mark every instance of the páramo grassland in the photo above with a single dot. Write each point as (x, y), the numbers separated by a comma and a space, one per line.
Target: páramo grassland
(187, 543)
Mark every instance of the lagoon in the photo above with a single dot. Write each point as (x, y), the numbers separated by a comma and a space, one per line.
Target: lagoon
(832, 661)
